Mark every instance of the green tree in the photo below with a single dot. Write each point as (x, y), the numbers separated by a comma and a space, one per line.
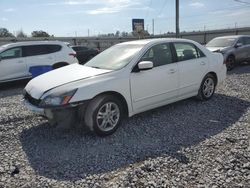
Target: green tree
(5, 33)
(141, 34)
(21, 34)
(40, 34)
(117, 34)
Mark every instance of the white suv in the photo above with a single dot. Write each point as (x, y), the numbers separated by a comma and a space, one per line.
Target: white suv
(16, 59)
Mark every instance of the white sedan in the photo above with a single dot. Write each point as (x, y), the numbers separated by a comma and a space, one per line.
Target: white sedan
(125, 80)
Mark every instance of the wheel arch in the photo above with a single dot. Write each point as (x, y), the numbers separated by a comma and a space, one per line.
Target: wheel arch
(118, 96)
(214, 75)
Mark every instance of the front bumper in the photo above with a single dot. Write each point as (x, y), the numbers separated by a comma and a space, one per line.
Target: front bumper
(39, 111)
(50, 113)
(34, 109)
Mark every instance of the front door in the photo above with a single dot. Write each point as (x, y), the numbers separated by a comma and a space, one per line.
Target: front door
(12, 64)
(242, 53)
(155, 87)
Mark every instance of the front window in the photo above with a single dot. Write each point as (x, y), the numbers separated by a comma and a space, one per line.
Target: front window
(221, 42)
(115, 57)
(12, 53)
(159, 54)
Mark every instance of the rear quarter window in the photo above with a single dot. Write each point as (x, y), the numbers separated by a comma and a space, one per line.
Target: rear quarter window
(186, 51)
(34, 50)
(54, 48)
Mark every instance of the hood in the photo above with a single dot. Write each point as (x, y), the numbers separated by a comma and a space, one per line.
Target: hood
(217, 49)
(214, 49)
(37, 86)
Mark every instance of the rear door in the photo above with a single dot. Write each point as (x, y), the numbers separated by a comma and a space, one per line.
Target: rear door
(192, 65)
(37, 55)
(12, 64)
(155, 87)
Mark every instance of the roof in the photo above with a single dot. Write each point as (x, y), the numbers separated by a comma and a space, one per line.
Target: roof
(148, 41)
(14, 44)
(233, 36)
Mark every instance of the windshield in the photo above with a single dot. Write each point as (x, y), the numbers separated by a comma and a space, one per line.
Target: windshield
(115, 57)
(221, 42)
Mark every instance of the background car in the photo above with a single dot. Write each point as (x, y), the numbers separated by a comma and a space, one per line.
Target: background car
(235, 49)
(18, 60)
(84, 53)
(124, 80)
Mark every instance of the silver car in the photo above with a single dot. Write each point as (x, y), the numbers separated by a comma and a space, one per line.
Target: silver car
(235, 49)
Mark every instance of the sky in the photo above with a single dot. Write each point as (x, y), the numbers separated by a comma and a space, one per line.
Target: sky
(76, 17)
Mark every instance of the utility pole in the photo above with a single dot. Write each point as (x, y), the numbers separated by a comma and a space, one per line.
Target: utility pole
(153, 26)
(88, 32)
(177, 18)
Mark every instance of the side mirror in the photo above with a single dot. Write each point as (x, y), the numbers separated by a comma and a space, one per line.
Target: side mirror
(145, 65)
(238, 45)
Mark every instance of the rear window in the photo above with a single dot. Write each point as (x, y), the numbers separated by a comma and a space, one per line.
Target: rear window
(186, 51)
(34, 50)
(79, 48)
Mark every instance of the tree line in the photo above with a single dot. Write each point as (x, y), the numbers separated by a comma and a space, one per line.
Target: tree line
(20, 34)
(39, 33)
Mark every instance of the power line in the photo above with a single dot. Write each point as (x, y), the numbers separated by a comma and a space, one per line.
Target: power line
(162, 8)
(244, 2)
(150, 3)
(199, 15)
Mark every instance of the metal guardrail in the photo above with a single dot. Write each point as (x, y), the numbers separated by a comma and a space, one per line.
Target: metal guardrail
(104, 42)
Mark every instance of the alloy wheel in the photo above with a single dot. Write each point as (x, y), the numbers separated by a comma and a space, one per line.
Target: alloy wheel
(208, 87)
(108, 116)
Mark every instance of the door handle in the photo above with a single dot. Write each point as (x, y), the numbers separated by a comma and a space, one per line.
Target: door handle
(203, 63)
(172, 71)
(20, 61)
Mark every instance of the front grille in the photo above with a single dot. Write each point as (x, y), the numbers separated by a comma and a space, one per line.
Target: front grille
(31, 100)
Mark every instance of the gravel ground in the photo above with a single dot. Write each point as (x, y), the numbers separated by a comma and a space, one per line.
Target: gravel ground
(186, 144)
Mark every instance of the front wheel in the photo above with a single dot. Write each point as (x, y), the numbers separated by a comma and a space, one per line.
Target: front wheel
(207, 88)
(230, 63)
(103, 115)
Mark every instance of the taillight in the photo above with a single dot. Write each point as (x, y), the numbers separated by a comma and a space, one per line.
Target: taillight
(72, 54)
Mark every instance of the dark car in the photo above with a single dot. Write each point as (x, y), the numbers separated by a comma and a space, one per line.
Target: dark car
(84, 53)
(235, 49)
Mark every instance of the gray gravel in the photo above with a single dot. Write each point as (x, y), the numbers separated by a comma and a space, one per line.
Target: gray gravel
(186, 144)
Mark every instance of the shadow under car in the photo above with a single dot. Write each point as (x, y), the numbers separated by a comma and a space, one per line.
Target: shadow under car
(160, 132)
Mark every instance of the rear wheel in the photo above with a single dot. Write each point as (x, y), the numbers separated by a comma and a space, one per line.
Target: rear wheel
(230, 63)
(207, 88)
(90, 57)
(103, 115)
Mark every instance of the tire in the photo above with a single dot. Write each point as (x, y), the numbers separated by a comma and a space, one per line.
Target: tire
(59, 65)
(230, 63)
(207, 88)
(103, 115)
(90, 57)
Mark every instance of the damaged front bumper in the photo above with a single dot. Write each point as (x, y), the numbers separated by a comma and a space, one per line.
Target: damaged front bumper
(54, 112)
(39, 111)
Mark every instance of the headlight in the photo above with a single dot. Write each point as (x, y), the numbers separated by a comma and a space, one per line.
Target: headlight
(57, 99)
(223, 52)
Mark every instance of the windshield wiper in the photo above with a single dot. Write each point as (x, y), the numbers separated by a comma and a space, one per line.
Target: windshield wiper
(95, 67)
